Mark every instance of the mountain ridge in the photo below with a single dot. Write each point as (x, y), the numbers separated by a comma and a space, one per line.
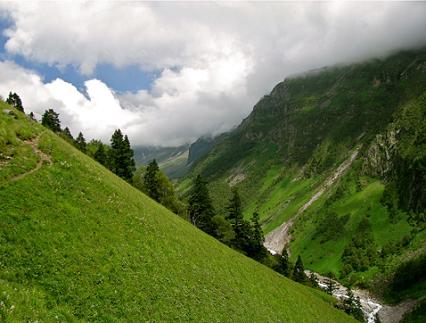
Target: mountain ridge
(295, 138)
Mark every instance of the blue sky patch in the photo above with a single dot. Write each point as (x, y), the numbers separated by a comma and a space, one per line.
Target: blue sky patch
(129, 78)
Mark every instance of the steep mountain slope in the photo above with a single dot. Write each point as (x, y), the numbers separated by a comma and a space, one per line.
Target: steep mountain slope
(78, 243)
(172, 160)
(296, 138)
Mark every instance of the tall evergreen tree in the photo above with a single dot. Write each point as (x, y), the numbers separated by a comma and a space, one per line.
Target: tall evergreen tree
(200, 208)
(80, 142)
(256, 249)
(129, 162)
(258, 236)
(121, 156)
(115, 152)
(235, 214)
(284, 263)
(15, 101)
(100, 154)
(151, 180)
(32, 117)
(242, 228)
(50, 119)
(299, 271)
(67, 134)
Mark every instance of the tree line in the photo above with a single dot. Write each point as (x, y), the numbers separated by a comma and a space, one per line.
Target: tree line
(117, 157)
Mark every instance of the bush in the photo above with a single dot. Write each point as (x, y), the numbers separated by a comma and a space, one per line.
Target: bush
(409, 273)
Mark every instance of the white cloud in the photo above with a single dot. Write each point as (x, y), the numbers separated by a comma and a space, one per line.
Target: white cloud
(217, 59)
(97, 115)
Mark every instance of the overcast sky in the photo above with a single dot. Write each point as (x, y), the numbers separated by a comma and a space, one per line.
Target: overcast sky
(167, 73)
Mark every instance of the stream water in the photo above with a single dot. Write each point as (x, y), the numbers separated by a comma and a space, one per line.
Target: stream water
(370, 306)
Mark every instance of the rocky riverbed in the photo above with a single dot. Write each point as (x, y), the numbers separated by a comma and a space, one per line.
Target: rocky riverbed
(371, 307)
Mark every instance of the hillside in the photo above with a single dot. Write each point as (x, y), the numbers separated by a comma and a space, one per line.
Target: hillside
(78, 243)
(331, 156)
(172, 160)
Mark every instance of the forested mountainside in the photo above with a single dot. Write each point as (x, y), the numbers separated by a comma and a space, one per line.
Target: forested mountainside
(339, 156)
(80, 244)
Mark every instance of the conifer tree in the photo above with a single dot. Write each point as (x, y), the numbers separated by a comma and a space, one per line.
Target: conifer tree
(32, 117)
(129, 162)
(258, 236)
(116, 151)
(243, 229)
(50, 119)
(284, 263)
(68, 135)
(299, 271)
(15, 101)
(100, 155)
(80, 142)
(121, 156)
(151, 181)
(256, 249)
(200, 208)
(235, 216)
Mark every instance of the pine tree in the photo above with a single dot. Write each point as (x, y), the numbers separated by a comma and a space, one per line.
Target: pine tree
(128, 161)
(67, 134)
(100, 155)
(80, 142)
(15, 101)
(313, 280)
(50, 119)
(258, 236)
(256, 249)
(284, 263)
(151, 181)
(121, 156)
(200, 209)
(115, 152)
(299, 271)
(235, 215)
(32, 117)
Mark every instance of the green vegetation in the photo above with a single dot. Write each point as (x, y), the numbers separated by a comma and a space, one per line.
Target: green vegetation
(80, 244)
(418, 315)
(154, 183)
(80, 143)
(173, 161)
(121, 156)
(50, 119)
(373, 218)
(15, 101)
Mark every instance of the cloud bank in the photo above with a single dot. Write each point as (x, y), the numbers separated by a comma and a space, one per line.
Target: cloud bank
(215, 59)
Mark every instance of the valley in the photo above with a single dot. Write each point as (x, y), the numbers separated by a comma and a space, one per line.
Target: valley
(323, 159)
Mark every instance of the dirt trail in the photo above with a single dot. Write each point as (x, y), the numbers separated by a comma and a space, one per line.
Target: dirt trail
(42, 158)
(279, 237)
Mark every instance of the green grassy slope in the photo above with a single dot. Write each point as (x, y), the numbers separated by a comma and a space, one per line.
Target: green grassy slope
(78, 243)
